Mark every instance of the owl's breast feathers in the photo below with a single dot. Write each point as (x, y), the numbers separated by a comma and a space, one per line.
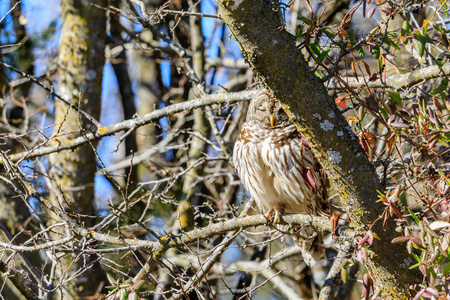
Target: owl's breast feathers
(279, 169)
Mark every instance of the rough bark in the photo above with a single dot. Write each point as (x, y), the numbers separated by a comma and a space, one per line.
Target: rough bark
(81, 61)
(281, 67)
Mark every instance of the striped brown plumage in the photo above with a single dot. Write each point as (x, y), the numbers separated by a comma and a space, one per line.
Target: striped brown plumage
(279, 169)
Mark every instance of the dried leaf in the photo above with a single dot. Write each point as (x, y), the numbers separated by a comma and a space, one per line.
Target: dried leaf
(372, 103)
(367, 67)
(354, 70)
(334, 220)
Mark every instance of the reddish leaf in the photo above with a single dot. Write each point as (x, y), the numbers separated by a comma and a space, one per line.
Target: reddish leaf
(419, 294)
(390, 142)
(400, 239)
(409, 247)
(369, 138)
(386, 10)
(366, 66)
(361, 255)
(363, 241)
(305, 143)
(367, 286)
(431, 292)
(394, 210)
(417, 241)
(370, 235)
(442, 188)
(364, 144)
(354, 70)
(334, 220)
(341, 101)
(423, 270)
(371, 12)
(309, 178)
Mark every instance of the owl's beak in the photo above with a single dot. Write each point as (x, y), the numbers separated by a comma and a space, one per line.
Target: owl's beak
(272, 120)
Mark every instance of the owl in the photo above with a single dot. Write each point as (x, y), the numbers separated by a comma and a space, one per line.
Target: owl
(280, 171)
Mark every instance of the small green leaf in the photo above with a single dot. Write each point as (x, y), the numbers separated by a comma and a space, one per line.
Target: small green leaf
(395, 97)
(376, 52)
(414, 266)
(306, 20)
(405, 28)
(417, 258)
(344, 275)
(351, 36)
(360, 51)
(322, 55)
(381, 194)
(446, 270)
(394, 45)
(314, 48)
(443, 142)
(441, 87)
(425, 27)
(413, 215)
(383, 112)
(329, 32)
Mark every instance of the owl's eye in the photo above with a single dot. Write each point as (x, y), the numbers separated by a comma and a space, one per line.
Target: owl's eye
(261, 108)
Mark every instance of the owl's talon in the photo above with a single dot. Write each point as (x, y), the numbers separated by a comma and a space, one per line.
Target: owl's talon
(269, 214)
(274, 215)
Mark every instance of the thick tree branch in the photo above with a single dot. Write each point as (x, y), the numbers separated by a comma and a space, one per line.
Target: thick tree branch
(271, 51)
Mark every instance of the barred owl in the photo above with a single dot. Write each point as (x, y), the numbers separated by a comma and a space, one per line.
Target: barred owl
(279, 169)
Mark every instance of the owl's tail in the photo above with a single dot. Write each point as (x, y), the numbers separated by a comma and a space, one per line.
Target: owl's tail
(311, 245)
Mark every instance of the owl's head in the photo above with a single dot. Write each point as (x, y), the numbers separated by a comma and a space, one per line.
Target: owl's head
(266, 111)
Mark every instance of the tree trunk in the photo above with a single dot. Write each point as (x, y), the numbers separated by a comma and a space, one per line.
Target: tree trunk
(272, 53)
(81, 59)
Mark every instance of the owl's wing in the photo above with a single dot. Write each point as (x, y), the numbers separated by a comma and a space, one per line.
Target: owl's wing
(298, 177)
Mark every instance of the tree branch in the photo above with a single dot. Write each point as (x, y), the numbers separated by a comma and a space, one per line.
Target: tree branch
(18, 281)
(134, 123)
(396, 81)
